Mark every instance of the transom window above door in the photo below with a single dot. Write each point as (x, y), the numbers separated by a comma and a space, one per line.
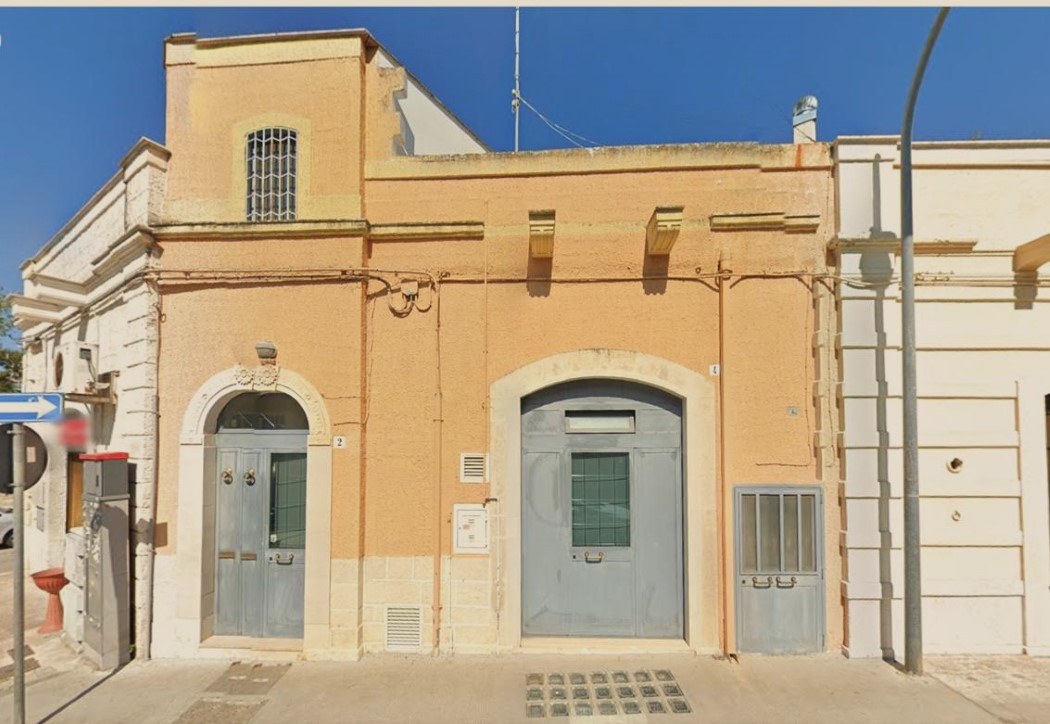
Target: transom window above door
(262, 411)
(272, 167)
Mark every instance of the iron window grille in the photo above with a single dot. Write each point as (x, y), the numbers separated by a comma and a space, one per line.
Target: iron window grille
(270, 159)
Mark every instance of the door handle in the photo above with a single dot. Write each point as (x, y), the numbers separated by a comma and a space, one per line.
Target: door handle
(597, 558)
(283, 561)
(249, 477)
(789, 584)
(227, 476)
(768, 582)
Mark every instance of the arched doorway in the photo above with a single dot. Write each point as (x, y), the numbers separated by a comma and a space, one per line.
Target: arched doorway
(260, 516)
(602, 511)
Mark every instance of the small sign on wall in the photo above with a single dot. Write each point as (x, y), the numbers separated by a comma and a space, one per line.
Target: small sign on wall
(470, 528)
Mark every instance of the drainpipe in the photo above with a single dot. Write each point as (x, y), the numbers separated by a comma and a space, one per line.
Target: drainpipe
(438, 513)
(723, 530)
(912, 542)
(145, 638)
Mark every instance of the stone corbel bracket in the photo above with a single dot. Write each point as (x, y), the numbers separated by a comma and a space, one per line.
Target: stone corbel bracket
(771, 221)
(662, 231)
(1030, 256)
(541, 234)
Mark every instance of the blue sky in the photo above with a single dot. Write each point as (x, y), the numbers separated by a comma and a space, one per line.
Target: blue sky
(79, 86)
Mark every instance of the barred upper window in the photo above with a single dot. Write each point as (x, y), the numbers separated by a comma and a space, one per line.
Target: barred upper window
(270, 155)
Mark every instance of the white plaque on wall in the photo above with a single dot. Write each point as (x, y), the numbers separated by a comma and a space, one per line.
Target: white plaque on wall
(470, 532)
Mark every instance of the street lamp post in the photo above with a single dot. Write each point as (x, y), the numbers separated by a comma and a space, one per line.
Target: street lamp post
(912, 550)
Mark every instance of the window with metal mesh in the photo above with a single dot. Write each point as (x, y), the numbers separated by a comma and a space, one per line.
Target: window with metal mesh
(270, 156)
(601, 499)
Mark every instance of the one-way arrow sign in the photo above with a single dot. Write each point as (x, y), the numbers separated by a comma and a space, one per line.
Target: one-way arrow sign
(17, 407)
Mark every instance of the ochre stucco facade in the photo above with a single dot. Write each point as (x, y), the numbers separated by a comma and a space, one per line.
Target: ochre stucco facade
(737, 320)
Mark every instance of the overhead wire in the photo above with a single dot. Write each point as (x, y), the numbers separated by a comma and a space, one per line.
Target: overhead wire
(562, 131)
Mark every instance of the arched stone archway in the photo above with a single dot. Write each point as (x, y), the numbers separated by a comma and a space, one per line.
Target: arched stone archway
(195, 548)
(698, 401)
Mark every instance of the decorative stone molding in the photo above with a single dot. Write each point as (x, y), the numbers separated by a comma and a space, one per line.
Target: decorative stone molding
(766, 221)
(541, 234)
(662, 231)
(204, 407)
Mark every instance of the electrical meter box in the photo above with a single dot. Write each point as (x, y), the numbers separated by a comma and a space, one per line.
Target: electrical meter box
(107, 572)
(106, 475)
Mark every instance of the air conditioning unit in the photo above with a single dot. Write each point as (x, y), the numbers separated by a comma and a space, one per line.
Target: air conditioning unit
(74, 368)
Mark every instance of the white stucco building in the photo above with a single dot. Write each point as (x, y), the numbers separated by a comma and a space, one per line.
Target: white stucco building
(982, 230)
(89, 319)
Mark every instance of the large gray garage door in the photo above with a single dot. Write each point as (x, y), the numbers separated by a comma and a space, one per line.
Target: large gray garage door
(602, 511)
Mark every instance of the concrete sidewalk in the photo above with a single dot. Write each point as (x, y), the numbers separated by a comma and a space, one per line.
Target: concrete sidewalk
(825, 688)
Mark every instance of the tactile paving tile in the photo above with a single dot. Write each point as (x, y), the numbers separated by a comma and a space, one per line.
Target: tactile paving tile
(656, 707)
(679, 706)
(672, 690)
(603, 693)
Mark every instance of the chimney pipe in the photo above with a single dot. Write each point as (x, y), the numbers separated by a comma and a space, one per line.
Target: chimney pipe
(804, 120)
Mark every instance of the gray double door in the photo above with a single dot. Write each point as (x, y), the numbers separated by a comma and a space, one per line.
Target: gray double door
(780, 570)
(260, 533)
(602, 525)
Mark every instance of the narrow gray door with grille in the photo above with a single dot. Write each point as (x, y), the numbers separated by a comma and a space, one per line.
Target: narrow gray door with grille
(602, 524)
(780, 570)
(260, 534)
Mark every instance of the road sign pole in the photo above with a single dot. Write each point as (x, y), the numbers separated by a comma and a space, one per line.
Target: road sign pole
(18, 481)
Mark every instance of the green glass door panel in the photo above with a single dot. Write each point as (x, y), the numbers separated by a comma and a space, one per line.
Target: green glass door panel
(601, 499)
(287, 500)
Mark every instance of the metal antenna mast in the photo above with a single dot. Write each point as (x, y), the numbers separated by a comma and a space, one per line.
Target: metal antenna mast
(516, 102)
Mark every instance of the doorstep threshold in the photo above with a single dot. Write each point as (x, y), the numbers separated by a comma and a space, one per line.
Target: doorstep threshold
(252, 643)
(580, 645)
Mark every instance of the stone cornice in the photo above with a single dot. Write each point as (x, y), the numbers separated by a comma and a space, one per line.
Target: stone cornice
(766, 221)
(390, 231)
(923, 247)
(606, 160)
(423, 230)
(225, 231)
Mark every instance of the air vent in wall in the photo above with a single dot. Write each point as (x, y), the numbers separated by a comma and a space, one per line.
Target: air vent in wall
(404, 628)
(473, 467)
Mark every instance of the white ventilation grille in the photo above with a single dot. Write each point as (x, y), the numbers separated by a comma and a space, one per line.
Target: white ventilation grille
(404, 628)
(473, 467)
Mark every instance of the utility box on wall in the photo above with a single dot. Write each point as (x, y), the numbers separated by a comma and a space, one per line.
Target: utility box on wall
(107, 590)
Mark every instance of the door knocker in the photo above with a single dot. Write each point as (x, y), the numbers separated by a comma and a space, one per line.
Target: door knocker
(249, 477)
(227, 476)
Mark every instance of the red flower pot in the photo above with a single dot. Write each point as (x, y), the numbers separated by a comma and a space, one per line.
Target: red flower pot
(51, 581)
